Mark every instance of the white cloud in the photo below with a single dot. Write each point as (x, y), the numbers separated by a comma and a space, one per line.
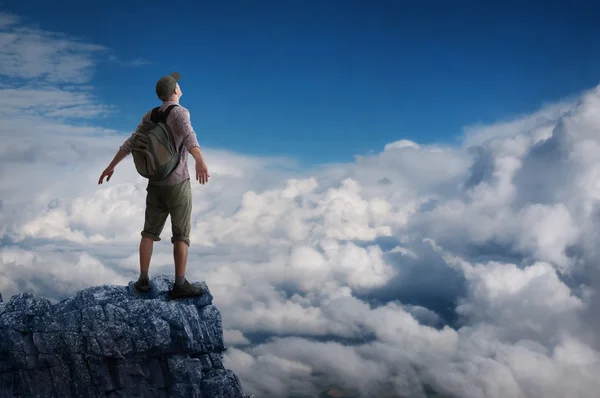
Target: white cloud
(234, 337)
(7, 20)
(44, 271)
(536, 124)
(31, 53)
(468, 270)
(401, 144)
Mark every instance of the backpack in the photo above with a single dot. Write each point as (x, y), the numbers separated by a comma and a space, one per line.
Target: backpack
(154, 153)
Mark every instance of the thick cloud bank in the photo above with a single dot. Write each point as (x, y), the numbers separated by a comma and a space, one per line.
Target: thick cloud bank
(470, 271)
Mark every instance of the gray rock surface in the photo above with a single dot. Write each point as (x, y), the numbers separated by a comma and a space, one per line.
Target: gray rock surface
(112, 341)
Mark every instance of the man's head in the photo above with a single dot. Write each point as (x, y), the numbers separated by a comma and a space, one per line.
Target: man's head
(167, 88)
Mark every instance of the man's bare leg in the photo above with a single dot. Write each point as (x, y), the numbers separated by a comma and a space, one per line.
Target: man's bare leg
(146, 246)
(182, 287)
(180, 254)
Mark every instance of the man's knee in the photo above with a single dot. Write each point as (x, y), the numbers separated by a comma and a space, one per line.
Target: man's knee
(184, 239)
(150, 235)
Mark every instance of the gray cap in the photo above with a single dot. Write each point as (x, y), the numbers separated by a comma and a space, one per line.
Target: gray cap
(165, 87)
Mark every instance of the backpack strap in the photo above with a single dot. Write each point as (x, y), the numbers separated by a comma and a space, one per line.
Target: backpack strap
(154, 115)
(158, 116)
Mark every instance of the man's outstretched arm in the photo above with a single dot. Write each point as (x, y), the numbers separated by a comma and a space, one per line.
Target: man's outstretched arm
(124, 150)
(201, 169)
(190, 142)
(108, 172)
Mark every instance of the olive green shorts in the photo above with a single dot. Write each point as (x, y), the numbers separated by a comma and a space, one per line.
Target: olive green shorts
(164, 200)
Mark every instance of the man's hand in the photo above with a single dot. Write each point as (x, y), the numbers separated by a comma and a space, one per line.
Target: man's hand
(201, 169)
(108, 172)
(201, 172)
(110, 169)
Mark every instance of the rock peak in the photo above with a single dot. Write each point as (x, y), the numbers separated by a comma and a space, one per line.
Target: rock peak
(112, 341)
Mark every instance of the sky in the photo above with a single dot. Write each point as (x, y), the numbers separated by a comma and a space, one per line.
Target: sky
(299, 78)
(384, 228)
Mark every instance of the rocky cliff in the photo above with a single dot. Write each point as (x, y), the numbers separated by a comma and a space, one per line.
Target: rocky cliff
(111, 341)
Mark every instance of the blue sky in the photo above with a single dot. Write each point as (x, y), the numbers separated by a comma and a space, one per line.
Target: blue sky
(325, 80)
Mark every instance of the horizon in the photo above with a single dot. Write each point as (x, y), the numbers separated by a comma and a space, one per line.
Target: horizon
(401, 197)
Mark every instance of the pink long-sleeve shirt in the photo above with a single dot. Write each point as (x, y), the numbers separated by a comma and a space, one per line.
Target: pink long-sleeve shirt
(181, 127)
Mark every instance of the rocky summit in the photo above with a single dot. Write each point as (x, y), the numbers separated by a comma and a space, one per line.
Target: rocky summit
(112, 341)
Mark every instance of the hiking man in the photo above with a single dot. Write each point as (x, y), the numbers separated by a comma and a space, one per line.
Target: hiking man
(168, 193)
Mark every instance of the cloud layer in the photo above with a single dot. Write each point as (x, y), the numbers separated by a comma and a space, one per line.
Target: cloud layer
(470, 271)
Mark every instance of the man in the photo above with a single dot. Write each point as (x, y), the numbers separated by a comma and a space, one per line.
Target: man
(170, 196)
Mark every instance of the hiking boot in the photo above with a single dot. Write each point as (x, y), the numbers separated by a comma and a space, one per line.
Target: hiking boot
(142, 285)
(185, 290)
